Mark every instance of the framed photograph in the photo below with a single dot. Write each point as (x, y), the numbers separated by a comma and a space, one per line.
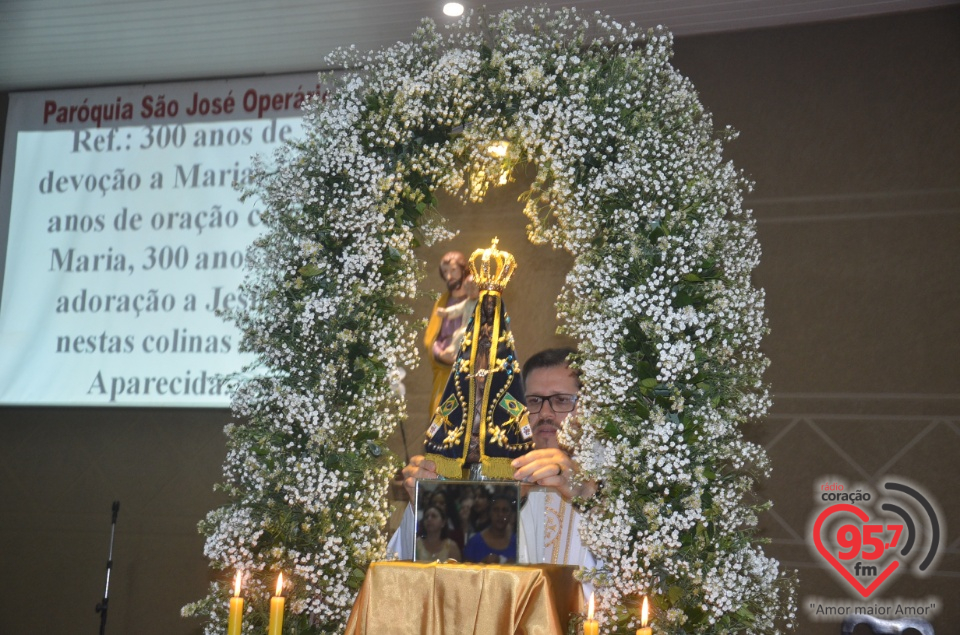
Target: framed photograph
(467, 521)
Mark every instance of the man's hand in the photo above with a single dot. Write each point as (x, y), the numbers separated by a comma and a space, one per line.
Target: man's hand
(552, 467)
(418, 467)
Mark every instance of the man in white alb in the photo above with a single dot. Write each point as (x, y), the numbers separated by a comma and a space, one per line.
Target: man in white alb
(549, 524)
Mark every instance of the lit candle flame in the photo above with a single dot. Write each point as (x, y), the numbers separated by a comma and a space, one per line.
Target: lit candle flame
(590, 610)
(236, 585)
(279, 584)
(644, 612)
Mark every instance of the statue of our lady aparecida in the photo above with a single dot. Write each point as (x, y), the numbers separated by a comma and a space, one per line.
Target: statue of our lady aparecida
(481, 423)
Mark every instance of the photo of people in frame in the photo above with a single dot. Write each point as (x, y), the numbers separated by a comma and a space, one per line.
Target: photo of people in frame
(467, 521)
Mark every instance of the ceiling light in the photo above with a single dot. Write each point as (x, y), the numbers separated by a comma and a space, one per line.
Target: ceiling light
(453, 9)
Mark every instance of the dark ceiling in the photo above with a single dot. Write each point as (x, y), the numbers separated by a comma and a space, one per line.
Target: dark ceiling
(66, 43)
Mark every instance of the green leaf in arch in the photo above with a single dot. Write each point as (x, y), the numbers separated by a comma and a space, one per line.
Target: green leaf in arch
(309, 271)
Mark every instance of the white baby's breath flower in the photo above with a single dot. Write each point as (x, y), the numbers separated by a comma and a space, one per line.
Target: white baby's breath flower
(629, 178)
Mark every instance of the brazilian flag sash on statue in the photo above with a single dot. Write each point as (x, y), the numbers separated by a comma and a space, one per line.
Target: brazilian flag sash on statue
(499, 410)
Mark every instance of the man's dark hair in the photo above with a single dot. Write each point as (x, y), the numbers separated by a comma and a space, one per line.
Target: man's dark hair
(548, 359)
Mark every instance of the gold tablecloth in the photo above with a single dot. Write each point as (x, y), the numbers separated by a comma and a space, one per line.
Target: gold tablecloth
(406, 598)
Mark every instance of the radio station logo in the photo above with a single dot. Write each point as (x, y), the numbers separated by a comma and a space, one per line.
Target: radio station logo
(869, 537)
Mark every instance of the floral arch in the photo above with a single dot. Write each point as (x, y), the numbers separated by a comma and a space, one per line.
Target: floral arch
(630, 180)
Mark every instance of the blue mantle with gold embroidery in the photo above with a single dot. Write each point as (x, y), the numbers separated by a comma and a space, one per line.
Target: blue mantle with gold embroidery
(484, 391)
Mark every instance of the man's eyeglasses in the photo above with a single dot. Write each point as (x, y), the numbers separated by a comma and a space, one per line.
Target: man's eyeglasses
(558, 403)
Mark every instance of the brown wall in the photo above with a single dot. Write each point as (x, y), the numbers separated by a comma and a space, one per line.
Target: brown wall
(851, 132)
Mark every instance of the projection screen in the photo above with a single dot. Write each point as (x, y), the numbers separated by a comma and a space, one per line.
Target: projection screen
(122, 234)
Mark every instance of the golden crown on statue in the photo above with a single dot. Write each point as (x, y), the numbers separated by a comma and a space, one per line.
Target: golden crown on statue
(492, 268)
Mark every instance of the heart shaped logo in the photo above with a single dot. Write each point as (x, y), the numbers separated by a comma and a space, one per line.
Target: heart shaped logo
(853, 537)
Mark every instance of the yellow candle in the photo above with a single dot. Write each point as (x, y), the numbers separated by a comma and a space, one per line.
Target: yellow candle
(276, 610)
(590, 625)
(644, 612)
(235, 620)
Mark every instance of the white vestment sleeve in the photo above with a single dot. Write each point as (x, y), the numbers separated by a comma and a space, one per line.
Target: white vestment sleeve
(545, 514)
(401, 544)
(530, 543)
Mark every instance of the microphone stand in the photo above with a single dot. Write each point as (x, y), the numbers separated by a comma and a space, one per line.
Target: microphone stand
(102, 606)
